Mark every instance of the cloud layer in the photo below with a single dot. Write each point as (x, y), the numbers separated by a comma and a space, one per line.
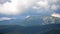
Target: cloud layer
(56, 15)
(9, 8)
(49, 4)
(5, 18)
(19, 6)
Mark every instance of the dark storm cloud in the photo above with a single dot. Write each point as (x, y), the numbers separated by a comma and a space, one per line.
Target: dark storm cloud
(4, 1)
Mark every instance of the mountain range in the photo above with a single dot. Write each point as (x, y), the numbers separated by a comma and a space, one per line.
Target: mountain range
(31, 25)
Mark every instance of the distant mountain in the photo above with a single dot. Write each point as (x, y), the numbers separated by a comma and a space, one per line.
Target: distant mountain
(43, 29)
(31, 25)
(53, 31)
(32, 21)
(40, 20)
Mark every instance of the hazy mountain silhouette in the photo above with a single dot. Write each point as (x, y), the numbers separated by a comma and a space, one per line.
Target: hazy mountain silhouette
(31, 25)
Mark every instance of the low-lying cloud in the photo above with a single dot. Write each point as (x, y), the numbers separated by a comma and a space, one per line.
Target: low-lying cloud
(56, 15)
(6, 18)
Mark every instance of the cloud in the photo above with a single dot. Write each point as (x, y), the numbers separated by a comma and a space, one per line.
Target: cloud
(35, 7)
(55, 7)
(9, 8)
(56, 15)
(4, 1)
(19, 6)
(27, 16)
(54, 1)
(46, 5)
(15, 7)
(43, 4)
(6, 18)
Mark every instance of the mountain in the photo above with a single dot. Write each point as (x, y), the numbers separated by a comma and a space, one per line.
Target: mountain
(32, 20)
(53, 31)
(31, 25)
(40, 20)
(15, 29)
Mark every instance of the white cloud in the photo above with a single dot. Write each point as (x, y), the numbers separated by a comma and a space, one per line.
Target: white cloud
(15, 7)
(56, 15)
(35, 7)
(9, 8)
(44, 4)
(6, 18)
(55, 1)
(19, 6)
(47, 3)
(55, 7)
(27, 16)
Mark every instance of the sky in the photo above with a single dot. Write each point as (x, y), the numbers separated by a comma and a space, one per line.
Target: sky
(17, 8)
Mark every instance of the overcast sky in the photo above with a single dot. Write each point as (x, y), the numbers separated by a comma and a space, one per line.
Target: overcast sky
(29, 7)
